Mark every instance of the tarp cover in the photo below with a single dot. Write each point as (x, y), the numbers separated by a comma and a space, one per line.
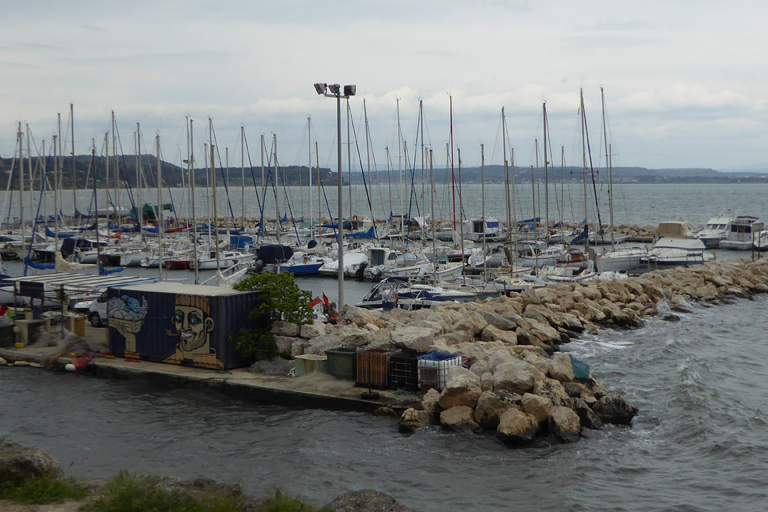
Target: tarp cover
(580, 369)
(437, 356)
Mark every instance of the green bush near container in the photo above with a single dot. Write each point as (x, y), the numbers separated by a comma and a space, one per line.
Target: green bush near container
(42, 490)
(281, 299)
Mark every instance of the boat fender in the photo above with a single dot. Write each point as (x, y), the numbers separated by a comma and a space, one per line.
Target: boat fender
(354, 217)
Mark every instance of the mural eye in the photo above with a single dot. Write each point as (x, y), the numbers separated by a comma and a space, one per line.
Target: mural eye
(178, 317)
(194, 319)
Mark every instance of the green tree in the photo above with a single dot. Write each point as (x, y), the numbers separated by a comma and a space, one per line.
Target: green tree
(281, 299)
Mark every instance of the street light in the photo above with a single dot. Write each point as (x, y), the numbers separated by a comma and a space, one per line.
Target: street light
(336, 92)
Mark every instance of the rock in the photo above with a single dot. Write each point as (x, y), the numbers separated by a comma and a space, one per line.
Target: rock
(561, 368)
(551, 389)
(358, 316)
(492, 405)
(366, 500)
(671, 318)
(312, 330)
(454, 338)
(564, 424)
(412, 420)
(281, 328)
(285, 343)
(431, 402)
(3, 361)
(486, 381)
(371, 327)
(18, 463)
(277, 366)
(516, 427)
(537, 406)
(386, 412)
(472, 322)
(515, 376)
(458, 418)
(462, 388)
(493, 333)
(412, 338)
(297, 349)
(587, 416)
(498, 321)
(614, 410)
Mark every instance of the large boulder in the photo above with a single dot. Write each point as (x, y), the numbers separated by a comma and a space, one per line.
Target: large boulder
(491, 405)
(412, 338)
(499, 321)
(564, 424)
(614, 410)
(561, 368)
(551, 389)
(285, 343)
(472, 322)
(516, 427)
(587, 417)
(431, 402)
(312, 330)
(515, 376)
(18, 463)
(536, 406)
(281, 328)
(413, 419)
(462, 388)
(493, 333)
(458, 418)
(359, 316)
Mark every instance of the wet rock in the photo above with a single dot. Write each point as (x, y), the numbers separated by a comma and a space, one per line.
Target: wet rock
(491, 405)
(386, 412)
(614, 410)
(462, 388)
(472, 322)
(564, 424)
(458, 418)
(516, 427)
(277, 366)
(431, 402)
(3, 361)
(412, 420)
(499, 321)
(281, 328)
(18, 463)
(551, 389)
(671, 318)
(367, 500)
(587, 417)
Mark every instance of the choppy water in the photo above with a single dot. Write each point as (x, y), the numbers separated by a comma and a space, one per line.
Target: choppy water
(699, 442)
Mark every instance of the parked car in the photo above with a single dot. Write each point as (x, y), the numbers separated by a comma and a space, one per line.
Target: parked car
(97, 311)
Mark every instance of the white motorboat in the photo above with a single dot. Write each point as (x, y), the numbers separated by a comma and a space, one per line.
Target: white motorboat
(743, 234)
(715, 231)
(675, 252)
(226, 259)
(625, 259)
(401, 293)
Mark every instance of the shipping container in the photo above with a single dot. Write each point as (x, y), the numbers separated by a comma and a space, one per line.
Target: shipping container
(433, 370)
(178, 323)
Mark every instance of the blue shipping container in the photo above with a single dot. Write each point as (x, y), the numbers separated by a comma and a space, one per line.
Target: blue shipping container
(178, 323)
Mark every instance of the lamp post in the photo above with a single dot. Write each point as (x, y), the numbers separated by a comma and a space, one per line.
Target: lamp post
(335, 91)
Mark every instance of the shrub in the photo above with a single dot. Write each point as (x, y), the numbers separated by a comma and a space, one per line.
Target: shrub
(281, 299)
(43, 489)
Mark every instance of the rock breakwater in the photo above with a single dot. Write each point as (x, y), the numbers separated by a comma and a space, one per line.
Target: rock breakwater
(514, 382)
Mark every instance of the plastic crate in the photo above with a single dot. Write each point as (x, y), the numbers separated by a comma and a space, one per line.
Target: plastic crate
(373, 367)
(434, 373)
(404, 370)
(342, 362)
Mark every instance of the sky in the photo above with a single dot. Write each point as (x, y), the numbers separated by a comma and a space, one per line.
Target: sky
(684, 81)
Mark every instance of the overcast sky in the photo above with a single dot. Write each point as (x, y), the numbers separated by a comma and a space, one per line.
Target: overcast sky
(685, 81)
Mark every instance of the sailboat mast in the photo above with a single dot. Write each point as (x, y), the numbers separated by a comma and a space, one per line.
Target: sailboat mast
(74, 167)
(95, 195)
(159, 211)
(482, 197)
(192, 184)
(262, 227)
(400, 164)
(584, 164)
(535, 233)
(546, 177)
(117, 168)
(432, 201)
(215, 208)
(309, 171)
(461, 219)
(276, 181)
(608, 166)
(319, 208)
(512, 229)
(56, 195)
(21, 184)
(349, 167)
(139, 206)
(242, 177)
(421, 125)
(453, 177)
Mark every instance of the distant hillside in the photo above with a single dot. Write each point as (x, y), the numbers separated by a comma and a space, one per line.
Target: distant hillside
(172, 174)
(495, 174)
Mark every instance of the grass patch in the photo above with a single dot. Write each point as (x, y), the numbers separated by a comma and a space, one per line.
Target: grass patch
(43, 490)
(131, 493)
(281, 502)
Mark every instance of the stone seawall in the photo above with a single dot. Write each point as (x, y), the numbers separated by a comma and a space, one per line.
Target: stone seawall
(516, 383)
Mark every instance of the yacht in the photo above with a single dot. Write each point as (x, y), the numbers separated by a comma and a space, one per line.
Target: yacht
(715, 231)
(400, 292)
(675, 252)
(742, 233)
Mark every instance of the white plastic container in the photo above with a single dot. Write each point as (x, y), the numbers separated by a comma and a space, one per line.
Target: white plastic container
(434, 374)
(308, 363)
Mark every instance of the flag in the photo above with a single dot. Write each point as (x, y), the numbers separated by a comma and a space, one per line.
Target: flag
(3, 309)
(314, 302)
(325, 300)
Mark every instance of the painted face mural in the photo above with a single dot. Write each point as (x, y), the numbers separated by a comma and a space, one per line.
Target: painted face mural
(193, 323)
